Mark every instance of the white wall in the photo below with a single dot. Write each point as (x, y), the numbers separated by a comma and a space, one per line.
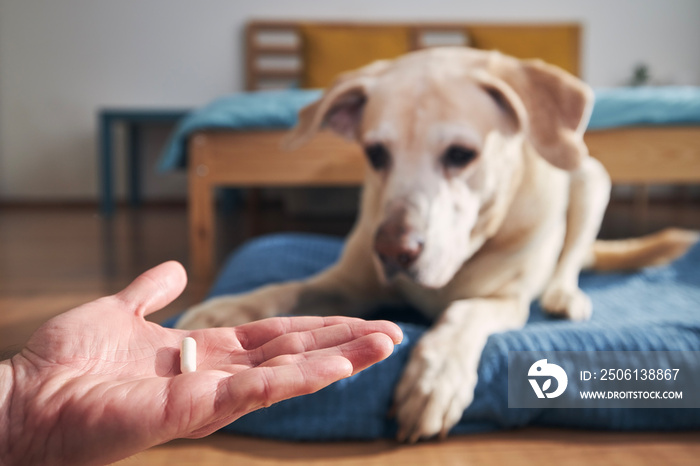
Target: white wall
(60, 60)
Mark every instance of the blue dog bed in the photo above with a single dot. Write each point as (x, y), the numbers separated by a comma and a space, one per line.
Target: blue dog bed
(655, 309)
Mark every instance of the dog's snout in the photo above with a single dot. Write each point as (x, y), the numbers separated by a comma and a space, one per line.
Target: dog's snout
(397, 247)
(399, 255)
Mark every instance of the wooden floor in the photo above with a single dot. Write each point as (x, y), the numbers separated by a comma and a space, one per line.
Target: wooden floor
(52, 259)
(534, 447)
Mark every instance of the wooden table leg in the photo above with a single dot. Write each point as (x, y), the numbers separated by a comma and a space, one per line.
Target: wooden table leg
(201, 211)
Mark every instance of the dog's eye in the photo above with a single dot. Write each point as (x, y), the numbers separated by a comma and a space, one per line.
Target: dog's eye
(378, 156)
(458, 157)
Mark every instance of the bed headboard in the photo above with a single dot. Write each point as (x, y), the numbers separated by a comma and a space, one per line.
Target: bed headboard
(274, 49)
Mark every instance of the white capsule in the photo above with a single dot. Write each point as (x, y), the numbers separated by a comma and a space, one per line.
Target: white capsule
(188, 355)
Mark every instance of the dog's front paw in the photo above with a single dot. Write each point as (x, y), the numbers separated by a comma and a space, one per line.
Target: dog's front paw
(225, 311)
(433, 392)
(568, 302)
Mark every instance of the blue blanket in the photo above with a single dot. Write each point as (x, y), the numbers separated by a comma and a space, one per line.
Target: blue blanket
(614, 107)
(654, 309)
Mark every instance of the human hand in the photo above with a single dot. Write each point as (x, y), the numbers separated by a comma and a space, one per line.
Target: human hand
(100, 383)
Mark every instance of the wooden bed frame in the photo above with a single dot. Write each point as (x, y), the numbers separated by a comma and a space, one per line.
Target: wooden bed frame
(253, 159)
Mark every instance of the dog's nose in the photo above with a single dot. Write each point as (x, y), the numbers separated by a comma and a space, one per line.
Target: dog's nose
(397, 252)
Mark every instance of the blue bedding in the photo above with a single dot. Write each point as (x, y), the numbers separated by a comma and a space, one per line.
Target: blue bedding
(634, 106)
(614, 107)
(655, 309)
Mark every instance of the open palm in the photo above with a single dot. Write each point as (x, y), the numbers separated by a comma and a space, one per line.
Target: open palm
(100, 383)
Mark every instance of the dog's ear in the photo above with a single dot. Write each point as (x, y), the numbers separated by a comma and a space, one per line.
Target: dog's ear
(340, 108)
(557, 107)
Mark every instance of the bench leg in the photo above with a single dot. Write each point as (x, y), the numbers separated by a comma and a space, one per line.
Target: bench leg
(201, 214)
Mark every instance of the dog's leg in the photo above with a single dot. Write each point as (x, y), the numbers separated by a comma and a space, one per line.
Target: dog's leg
(589, 194)
(331, 292)
(438, 382)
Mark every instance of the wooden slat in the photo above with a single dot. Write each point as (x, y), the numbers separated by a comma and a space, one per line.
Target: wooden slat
(250, 57)
(273, 25)
(648, 154)
(631, 155)
(277, 49)
(255, 158)
(275, 73)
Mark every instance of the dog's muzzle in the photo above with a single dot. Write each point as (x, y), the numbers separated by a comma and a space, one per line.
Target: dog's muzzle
(397, 246)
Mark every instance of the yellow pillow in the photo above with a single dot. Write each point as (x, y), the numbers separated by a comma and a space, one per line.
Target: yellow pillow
(557, 45)
(329, 50)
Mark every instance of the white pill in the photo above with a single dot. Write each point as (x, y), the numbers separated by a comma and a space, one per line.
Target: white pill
(188, 355)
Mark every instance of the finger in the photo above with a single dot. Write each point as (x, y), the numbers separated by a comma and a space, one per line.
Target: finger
(360, 352)
(154, 289)
(256, 334)
(256, 388)
(224, 345)
(264, 386)
(320, 338)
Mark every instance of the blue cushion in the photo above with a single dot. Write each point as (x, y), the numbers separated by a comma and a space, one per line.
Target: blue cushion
(645, 106)
(654, 309)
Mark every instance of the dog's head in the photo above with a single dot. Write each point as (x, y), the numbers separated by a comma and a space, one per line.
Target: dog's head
(443, 130)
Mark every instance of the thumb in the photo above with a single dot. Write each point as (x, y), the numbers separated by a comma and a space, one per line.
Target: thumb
(154, 289)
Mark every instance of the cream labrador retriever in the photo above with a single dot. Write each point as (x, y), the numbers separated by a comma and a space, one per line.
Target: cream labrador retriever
(480, 196)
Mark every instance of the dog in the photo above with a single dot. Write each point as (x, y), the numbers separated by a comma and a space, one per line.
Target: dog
(479, 197)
